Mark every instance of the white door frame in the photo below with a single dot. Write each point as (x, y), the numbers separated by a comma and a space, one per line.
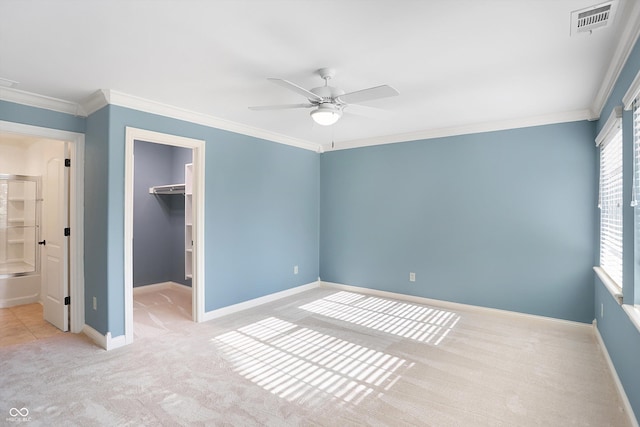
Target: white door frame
(76, 211)
(197, 282)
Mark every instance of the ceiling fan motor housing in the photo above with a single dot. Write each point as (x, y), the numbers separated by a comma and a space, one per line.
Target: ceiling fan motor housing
(328, 94)
(330, 108)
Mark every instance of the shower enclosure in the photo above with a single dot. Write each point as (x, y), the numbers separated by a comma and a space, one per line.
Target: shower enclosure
(19, 233)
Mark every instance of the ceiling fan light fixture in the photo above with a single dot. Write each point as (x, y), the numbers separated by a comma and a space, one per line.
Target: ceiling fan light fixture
(326, 114)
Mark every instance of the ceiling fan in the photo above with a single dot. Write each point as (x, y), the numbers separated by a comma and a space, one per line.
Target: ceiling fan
(328, 102)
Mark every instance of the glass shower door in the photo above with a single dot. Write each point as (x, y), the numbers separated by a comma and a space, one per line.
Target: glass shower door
(19, 229)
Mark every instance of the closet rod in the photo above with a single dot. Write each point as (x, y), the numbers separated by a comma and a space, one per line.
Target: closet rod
(167, 189)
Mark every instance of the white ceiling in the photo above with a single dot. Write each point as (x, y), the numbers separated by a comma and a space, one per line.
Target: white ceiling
(456, 63)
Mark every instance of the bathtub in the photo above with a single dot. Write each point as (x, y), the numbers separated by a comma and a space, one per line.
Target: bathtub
(17, 290)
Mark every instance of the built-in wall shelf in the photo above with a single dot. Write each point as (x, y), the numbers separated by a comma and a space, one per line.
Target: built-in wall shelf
(19, 228)
(188, 221)
(167, 189)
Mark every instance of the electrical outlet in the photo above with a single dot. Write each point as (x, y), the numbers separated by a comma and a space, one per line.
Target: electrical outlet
(412, 277)
(295, 269)
(95, 303)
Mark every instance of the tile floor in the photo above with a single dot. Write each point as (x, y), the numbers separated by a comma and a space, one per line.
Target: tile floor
(156, 310)
(24, 323)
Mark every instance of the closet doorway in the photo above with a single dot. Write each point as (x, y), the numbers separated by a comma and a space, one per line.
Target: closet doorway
(164, 244)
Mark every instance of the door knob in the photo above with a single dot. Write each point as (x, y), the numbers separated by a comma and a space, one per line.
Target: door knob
(44, 243)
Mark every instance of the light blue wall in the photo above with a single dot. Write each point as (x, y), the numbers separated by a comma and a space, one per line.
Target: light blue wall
(261, 213)
(151, 221)
(180, 157)
(96, 175)
(17, 113)
(265, 205)
(500, 219)
(620, 336)
(622, 340)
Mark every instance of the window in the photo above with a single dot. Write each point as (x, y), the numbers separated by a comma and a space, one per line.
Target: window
(636, 188)
(610, 203)
(635, 197)
(631, 101)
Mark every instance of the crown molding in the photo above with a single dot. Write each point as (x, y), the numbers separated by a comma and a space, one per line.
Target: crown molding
(632, 93)
(104, 97)
(548, 119)
(41, 101)
(94, 102)
(628, 38)
(129, 101)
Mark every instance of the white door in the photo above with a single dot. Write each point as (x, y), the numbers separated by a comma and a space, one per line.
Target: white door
(55, 218)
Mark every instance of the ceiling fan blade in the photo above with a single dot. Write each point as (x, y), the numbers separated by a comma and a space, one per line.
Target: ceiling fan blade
(294, 87)
(280, 107)
(369, 94)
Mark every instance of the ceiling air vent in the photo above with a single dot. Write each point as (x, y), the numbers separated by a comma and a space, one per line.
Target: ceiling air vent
(587, 20)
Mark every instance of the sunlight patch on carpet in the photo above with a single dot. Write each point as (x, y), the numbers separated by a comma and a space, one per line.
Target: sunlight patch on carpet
(407, 320)
(301, 364)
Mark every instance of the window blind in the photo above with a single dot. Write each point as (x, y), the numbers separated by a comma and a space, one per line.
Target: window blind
(635, 196)
(611, 206)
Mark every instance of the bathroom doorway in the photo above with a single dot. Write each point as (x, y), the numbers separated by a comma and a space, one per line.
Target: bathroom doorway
(40, 180)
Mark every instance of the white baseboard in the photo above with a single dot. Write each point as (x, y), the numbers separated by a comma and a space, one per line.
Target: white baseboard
(138, 290)
(257, 301)
(115, 342)
(95, 336)
(623, 396)
(446, 304)
(104, 341)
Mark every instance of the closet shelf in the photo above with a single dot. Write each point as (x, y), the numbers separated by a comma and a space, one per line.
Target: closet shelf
(167, 189)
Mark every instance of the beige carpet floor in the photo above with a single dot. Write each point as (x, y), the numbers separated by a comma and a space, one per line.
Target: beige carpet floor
(323, 357)
(158, 309)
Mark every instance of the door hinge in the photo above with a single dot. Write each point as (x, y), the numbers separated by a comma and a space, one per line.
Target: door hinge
(67, 300)
(67, 232)
(67, 163)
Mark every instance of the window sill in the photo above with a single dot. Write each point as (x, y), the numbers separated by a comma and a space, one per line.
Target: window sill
(611, 286)
(633, 312)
